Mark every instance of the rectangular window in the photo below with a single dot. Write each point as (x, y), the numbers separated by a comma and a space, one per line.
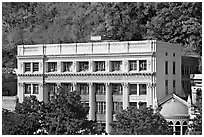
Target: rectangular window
(100, 89)
(67, 86)
(133, 65)
(142, 65)
(35, 89)
(142, 89)
(101, 107)
(83, 66)
(86, 104)
(133, 104)
(142, 104)
(174, 86)
(52, 66)
(67, 66)
(84, 89)
(27, 88)
(174, 67)
(27, 67)
(117, 106)
(35, 66)
(166, 67)
(166, 86)
(116, 65)
(100, 65)
(117, 89)
(133, 89)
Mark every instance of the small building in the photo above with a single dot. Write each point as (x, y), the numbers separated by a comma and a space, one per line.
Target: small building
(196, 86)
(177, 112)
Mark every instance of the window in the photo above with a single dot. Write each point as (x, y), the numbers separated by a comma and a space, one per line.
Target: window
(117, 106)
(142, 65)
(84, 89)
(142, 89)
(67, 86)
(166, 54)
(116, 65)
(133, 65)
(27, 67)
(35, 66)
(52, 66)
(117, 89)
(100, 89)
(174, 54)
(83, 66)
(101, 107)
(166, 67)
(133, 89)
(142, 104)
(184, 128)
(133, 104)
(174, 67)
(35, 89)
(27, 88)
(67, 66)
(174, 86)
(178, 128)
(166, 87)
(100, 65)
(171, 125)
(85, 104)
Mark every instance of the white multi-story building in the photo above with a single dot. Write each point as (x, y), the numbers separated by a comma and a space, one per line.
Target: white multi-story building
(109, 75)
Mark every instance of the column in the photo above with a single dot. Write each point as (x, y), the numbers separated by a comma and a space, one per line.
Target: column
(109, 108)
(41, 94)
(125, 95)
(92, 102)
(74, 86)
(75, 66)
(58, 67)
(91, 66)
(21, 89)
(125, 66)
(108, 66)
(149, 95)
(45, 93)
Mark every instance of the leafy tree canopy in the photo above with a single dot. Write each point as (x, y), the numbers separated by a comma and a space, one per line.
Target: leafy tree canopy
(142, 121)
(64, 114)
(40, 23)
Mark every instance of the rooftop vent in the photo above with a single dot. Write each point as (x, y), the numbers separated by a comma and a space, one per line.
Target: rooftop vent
(101, 38)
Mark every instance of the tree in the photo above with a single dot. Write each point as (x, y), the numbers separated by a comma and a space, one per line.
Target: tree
(142, 121)
(196, 126)
(178, 22)
(64, 114)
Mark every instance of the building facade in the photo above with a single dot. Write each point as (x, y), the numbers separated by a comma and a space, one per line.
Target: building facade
(109, 75)
(189, 65)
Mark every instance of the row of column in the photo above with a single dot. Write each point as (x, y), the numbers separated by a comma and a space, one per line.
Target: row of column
(109, 103)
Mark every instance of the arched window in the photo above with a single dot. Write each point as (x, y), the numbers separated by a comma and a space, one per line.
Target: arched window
(178, 128)
(184, 128)
(171, 125)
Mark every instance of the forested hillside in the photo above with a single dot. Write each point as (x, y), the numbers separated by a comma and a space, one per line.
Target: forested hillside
(35, 23)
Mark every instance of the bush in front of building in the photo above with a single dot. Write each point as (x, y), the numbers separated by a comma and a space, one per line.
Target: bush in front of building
(142, 121)
(63, 114)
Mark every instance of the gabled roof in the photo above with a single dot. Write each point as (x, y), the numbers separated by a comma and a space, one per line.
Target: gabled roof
(173, 105)
(170, 96)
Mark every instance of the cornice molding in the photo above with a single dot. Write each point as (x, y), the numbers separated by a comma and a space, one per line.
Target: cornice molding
(88, 74)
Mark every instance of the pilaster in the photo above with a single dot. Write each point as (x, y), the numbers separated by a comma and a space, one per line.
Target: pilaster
(21, 89)
(109, 108)
(92, 102)
(125, 95)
